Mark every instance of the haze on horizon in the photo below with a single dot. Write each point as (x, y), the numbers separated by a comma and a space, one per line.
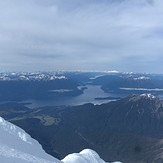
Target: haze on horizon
(39, 35)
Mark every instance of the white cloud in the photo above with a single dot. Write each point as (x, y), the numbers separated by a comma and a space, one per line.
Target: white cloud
(61, 34)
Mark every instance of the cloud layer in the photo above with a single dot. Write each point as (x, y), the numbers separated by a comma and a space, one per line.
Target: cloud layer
(81, 35)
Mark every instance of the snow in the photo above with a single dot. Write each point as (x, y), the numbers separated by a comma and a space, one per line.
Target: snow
(16, 146)
(14, 155)
(113, 71)
(148, 95)
(142, 89)
(141, 78)
(23, 136)
(145, 96)
(85, 156)
(36, 76)
(13, 130)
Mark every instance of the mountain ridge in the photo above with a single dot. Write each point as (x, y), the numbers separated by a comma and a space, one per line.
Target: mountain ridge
(129, 129)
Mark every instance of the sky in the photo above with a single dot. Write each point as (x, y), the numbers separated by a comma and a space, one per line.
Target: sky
(96, 35)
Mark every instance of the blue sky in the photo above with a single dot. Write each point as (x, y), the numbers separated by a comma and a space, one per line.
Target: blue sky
(47, 35)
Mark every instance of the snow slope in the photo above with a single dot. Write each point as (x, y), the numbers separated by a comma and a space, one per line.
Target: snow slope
(16, 146)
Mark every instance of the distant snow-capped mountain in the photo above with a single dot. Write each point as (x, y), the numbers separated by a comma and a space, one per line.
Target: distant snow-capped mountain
(38, 76)
(16, 146)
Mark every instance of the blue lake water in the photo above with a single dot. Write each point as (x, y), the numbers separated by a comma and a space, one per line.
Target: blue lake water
(88, 96)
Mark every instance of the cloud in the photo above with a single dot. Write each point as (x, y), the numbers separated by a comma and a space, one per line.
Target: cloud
(75, 34)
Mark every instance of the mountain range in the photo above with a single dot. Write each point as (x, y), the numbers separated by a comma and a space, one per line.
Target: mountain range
(58, 85)
(130, 129)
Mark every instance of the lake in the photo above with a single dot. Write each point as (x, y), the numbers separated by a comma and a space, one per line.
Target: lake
(89, 95)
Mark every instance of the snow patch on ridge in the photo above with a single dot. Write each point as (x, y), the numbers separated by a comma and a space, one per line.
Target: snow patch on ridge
(141, 78)
(148, 95)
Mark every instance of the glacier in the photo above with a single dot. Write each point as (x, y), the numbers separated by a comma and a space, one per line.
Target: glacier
(16, 146)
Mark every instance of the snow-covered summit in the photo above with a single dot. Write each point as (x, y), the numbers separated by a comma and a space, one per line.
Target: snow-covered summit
(145, 96)
(16, 146)
(148, 95)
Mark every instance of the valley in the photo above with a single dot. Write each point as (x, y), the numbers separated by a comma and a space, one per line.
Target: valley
(120, 124)
(91, 94)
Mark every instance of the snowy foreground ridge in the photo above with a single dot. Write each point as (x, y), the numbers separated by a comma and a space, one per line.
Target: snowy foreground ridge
(16, 146)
